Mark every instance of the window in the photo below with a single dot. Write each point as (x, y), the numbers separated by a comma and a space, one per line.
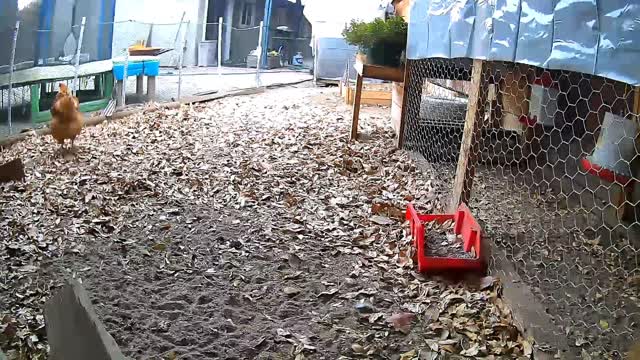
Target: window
(247, 17)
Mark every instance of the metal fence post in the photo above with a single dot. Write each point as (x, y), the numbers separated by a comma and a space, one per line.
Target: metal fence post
(181, 59)
(11, 66)
(259, 60)
(77, 66)
(175, 42)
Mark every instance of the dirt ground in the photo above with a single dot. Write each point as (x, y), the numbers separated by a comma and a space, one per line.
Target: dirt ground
(238, 229)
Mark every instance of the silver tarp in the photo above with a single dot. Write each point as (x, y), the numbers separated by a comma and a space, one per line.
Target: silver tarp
(587, 36)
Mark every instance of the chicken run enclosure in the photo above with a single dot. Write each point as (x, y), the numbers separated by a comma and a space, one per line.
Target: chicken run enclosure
(529, 114)
(560, 204)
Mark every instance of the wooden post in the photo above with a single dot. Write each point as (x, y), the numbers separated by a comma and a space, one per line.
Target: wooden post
(625, 198)
(472, 131)
(119, 93)
(356, 108)
(403, 113)
(151, 88)
(139, 85)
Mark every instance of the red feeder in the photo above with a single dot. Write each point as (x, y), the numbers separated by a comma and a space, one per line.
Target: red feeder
(464, 224)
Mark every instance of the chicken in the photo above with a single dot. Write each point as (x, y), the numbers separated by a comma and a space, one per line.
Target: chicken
(67, 120)
(64, 91)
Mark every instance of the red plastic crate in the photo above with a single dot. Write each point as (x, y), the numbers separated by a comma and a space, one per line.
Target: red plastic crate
(464, 224)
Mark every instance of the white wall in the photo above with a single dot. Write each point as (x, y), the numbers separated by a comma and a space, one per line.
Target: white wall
(165, 14)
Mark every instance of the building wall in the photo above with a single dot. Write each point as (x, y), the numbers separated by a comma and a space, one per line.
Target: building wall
(245, 38)
(165, 14)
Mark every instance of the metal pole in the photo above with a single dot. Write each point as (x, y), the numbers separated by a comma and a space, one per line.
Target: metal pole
(175, 42)
(77, 68)
(220, 20)
(124, 77)
(11, 66)
(259, 62)
(268, 7)
(181, 60)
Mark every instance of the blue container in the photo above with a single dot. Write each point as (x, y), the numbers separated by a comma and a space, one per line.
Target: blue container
(135, 68)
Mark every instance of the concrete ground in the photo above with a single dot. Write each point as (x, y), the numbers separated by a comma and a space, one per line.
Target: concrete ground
(196, 81)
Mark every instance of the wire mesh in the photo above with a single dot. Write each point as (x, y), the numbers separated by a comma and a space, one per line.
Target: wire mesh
(555, 159)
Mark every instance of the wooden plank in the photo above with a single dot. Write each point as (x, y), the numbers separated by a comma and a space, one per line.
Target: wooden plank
(374, 94)
(73, 328)
(379, 72)
(356, 108)
(379, 102)
(472, 131)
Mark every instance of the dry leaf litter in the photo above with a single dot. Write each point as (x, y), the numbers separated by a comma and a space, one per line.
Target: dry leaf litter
(243, 228)
(443, 242)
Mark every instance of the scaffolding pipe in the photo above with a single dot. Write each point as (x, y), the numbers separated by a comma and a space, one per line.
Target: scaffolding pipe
(77, 66)
(12, 62)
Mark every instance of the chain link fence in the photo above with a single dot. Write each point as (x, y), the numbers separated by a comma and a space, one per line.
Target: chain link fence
(553, 160)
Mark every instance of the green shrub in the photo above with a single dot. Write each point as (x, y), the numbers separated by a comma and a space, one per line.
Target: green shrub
(365, 35)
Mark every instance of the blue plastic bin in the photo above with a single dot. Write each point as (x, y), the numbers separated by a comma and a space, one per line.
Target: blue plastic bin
(145, 67)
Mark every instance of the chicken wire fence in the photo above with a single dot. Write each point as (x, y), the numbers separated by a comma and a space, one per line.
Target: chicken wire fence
(553, 160)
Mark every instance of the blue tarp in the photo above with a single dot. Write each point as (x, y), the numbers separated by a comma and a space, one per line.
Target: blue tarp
(599, 37)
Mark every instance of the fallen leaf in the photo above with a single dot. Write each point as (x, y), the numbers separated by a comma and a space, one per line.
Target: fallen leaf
(402, 321)
(472, 351)
(409, 355)
(159, 247)
(294, 261)
(291, 291)
(358, 349)
(604, 324)
(381, 220)
(527, 348)
(486, 282)
(328, 293)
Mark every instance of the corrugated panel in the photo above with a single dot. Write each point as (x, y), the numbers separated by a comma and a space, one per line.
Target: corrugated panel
(588, 36)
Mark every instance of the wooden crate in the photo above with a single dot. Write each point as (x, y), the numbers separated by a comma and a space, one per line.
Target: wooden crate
(372, 94)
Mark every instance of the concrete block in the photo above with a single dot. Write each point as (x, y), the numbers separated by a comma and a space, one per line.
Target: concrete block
(73, 329)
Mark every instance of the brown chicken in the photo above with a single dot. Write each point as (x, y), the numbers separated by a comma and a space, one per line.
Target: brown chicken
(64, 91)
(67, 120)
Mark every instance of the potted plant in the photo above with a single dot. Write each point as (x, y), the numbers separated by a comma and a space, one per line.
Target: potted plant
(381, 41)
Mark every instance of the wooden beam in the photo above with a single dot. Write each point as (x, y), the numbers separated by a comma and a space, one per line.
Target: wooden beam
(403, 112)
(471, 136)
(356, 109)
(379, 72)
